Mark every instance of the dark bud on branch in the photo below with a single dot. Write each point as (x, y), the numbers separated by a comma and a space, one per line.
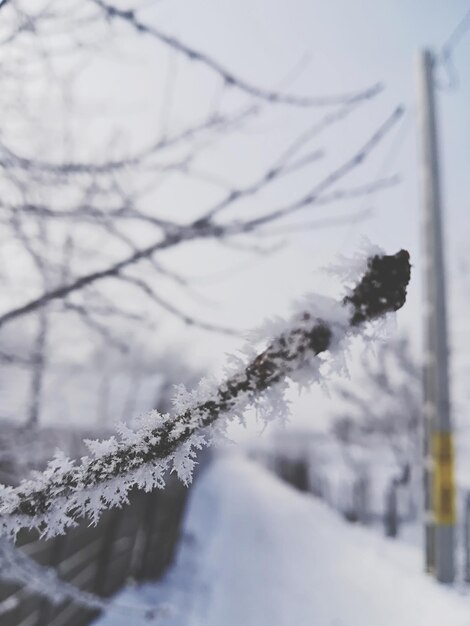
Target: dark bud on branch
(382, 289)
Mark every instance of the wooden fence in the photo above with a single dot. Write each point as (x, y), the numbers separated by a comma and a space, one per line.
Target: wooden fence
(136, 542)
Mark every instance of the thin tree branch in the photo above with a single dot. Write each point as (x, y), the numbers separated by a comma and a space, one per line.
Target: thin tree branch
(274, 173)
(348, 166)
(184, 317)
(9, 158)
(98, 328)
(207, 229)
(129, 16)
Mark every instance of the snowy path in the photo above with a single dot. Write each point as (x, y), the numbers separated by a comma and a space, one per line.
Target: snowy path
(257, 553)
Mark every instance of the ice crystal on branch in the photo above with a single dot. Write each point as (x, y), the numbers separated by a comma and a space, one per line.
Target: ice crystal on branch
(312, 339)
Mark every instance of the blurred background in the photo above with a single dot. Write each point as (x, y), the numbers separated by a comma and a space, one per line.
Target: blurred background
(173, 174)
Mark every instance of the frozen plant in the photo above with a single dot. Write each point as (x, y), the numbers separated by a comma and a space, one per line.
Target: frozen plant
(302, 349)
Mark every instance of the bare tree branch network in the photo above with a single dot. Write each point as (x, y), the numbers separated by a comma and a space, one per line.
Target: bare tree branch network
(92, 206)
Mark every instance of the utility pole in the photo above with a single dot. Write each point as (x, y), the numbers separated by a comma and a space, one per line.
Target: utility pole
(438, 443)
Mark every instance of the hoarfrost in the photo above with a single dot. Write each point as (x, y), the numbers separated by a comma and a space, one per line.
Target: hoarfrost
(308, 348)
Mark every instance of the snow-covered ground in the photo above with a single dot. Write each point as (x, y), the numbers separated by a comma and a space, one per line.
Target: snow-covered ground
(256, 553)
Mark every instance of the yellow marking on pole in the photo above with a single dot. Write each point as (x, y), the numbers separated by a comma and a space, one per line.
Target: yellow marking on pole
(443, 478)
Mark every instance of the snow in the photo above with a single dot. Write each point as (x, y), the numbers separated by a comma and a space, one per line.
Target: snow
(257, 553)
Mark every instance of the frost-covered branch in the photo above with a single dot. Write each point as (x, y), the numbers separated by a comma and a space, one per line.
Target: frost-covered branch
(17, 567)
(53, 500)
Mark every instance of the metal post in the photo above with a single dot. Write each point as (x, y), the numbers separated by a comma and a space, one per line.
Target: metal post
(391, 511)
(467, 537)
(438, 462)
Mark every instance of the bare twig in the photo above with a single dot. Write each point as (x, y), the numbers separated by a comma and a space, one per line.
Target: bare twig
(333, 177)
(181, 315)
(129, 16)
(9, 158)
